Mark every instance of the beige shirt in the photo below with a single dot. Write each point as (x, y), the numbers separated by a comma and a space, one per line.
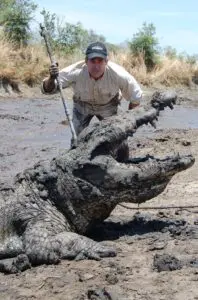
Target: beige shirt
(115, 80)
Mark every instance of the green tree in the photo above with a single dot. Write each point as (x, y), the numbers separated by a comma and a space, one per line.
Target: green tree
(68, 37)
(145, 42)
(63, 36)
(190, 59)
(5, 5)
(94, 37)
(170, 52)
(15, 17)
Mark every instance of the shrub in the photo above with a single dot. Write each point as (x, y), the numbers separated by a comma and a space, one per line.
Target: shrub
(144, 42)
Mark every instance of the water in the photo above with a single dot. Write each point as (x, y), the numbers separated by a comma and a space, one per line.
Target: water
(32, 130)
(41, 121)
(180, 117)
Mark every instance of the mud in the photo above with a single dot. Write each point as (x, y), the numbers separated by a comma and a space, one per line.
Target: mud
(166, 262)
(157, 249)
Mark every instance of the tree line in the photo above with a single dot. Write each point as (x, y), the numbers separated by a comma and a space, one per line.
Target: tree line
(16, 17)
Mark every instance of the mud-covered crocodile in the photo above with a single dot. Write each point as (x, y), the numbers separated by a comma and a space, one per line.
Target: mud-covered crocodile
(54, 205)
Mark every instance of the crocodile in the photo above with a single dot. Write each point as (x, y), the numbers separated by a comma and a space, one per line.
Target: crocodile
(48, 214)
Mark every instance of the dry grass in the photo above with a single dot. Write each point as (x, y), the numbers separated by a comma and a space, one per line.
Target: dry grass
(134, 65)
(168, 72)
(30, 65)
(174, 72)
(7, 67)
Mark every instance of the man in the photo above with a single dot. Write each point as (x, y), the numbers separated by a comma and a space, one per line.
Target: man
(98, 86)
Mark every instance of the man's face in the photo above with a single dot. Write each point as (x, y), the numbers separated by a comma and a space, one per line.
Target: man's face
(96, 66)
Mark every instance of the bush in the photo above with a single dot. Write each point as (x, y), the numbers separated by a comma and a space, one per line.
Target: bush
(66, 37)
(144, 42)
(15, 17)
(170, 52)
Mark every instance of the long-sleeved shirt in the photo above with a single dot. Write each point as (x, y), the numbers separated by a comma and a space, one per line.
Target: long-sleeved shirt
(114, 80)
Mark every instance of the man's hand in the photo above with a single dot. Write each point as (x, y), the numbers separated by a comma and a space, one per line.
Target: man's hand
(133, 105)
(54, 70)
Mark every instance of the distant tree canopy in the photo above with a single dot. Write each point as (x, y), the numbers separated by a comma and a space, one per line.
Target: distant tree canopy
(146, 43)
(170, 52)
(5, 5)
(15, 16)
(66, 36)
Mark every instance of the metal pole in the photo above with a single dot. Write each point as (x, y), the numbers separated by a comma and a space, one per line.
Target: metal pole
(74, 136)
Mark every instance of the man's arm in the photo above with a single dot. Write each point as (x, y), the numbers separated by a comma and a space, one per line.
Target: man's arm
(66, 77)
(129, 87)
(132, 92)
(49, 84)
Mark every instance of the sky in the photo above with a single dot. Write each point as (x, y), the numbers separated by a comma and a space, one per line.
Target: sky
(176, 21)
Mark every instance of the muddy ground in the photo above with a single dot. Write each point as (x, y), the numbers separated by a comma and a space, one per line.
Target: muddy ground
(157, 249)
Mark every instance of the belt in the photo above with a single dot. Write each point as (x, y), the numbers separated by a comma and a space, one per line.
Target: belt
(115, 100)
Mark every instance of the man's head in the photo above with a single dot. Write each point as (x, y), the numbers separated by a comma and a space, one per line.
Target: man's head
(96, 59)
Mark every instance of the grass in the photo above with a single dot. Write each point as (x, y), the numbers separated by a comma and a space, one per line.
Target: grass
(30, 65)
(168, 72)
(27, 64)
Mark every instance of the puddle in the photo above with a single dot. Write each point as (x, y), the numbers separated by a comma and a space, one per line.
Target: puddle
(46, 121)
(37, 131)
(178, 118)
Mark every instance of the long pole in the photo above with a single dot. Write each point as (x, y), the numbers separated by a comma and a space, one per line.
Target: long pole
(74, 136)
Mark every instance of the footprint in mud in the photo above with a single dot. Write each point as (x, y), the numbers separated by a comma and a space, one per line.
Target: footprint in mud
(12, 117)
(99, 294)
(166, 262)
(7, 154)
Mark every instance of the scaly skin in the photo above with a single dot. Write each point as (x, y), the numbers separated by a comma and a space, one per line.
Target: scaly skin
(54, 205)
